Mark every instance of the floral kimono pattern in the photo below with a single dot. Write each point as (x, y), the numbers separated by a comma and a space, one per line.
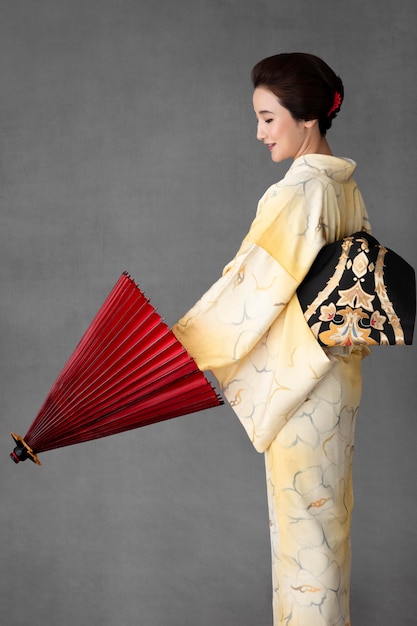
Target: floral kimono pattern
(297, 401)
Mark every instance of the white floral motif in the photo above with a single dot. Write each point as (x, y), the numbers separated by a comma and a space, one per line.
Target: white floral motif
(315, 578)
(327, 312)
(378, 320)
(312, 423)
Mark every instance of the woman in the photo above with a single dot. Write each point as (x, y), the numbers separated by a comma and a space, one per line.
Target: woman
(297, 401)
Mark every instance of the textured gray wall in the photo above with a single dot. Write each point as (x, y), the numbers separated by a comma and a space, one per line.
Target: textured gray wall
(127, 141)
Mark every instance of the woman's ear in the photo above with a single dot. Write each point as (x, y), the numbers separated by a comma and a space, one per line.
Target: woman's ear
(310, 123)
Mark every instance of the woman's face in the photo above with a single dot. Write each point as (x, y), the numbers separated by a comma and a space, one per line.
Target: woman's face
(285, 137)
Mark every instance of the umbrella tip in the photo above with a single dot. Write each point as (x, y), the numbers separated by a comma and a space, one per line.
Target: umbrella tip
(22, 451)
(18, 454)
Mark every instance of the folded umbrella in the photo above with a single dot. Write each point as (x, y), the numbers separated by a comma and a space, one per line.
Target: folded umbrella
(128, 370)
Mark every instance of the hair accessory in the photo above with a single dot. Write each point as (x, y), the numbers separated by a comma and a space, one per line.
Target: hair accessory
(337, 101)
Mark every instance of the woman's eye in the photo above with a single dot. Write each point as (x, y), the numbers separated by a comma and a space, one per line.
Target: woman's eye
(269, 121)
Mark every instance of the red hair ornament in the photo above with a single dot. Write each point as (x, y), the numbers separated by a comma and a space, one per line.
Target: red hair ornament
(337, 101)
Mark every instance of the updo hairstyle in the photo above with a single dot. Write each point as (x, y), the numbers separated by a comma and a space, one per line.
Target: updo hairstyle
(303, 84)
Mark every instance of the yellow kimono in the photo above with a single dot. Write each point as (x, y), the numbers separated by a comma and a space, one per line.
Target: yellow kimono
(297, 402)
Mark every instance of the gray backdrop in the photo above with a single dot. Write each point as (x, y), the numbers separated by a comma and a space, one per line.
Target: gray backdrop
(128, 142)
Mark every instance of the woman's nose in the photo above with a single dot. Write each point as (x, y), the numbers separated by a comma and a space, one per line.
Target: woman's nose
(260, 134)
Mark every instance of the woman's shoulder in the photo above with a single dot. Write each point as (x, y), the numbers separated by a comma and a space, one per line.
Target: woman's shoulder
(320, 166)
(310, 181)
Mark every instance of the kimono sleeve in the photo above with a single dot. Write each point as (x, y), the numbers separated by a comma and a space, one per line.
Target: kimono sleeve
(231, 317)
(235, 313)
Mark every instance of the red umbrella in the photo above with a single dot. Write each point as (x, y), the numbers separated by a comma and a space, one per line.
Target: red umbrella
(128, 370)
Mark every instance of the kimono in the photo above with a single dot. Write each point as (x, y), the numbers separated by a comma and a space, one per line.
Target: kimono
(297, 401)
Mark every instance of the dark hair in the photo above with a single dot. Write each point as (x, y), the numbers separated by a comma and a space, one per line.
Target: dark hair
(303, 84)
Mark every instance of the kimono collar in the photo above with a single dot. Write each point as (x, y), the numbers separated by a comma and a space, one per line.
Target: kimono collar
(338, 168)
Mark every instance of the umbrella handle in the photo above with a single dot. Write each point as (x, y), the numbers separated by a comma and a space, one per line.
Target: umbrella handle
(22, 451)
